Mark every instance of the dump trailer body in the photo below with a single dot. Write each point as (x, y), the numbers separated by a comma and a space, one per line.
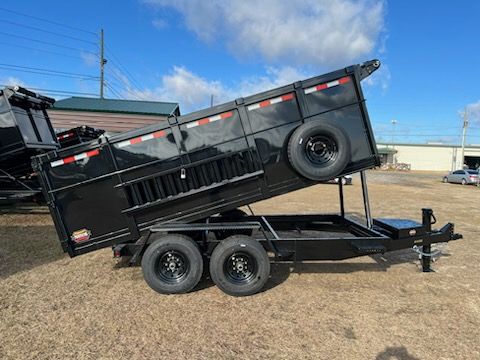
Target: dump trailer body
(25, 129)
(190, 167)
(78, 135)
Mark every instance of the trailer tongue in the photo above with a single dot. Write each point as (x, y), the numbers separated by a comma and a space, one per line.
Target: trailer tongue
(167, 194)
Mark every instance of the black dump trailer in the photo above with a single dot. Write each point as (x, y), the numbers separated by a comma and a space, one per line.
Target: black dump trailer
(25, 131)
(78, 135)
(167, 195)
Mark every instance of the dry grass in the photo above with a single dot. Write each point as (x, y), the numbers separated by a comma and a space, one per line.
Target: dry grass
(53, 307)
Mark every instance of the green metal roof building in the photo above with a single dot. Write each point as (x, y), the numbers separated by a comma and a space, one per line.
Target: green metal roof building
(112, 115)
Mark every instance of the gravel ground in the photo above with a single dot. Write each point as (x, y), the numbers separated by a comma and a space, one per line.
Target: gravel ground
(378, 307)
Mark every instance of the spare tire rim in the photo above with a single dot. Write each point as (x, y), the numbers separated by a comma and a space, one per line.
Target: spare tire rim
(172, 267)
(321, 149)
(240, 268)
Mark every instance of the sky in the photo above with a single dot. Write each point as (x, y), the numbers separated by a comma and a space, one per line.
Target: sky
(187, 51)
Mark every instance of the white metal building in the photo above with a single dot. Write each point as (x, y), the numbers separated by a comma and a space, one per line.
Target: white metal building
(434, 157)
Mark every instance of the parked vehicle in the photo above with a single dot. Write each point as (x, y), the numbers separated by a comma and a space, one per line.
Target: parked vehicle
(167, 195)
(464, 177)
(345, 180)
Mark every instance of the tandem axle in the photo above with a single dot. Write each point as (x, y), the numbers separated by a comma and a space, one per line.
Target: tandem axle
(295, 238)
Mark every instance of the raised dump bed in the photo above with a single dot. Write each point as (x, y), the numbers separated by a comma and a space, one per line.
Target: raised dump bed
(175, 176)
(25, 131)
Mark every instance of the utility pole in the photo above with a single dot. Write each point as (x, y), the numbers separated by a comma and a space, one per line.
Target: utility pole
(464, 134)
(394, 122)
(102, 64)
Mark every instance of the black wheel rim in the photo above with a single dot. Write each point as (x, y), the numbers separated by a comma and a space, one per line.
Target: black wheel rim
(321, 149)
(172, 267)
(240, 268)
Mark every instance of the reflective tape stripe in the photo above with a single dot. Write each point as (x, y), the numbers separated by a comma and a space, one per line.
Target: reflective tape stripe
(140, 139)
(327, 85)
(71, 159)
(209, 119)
(270, 102)
(61, 137)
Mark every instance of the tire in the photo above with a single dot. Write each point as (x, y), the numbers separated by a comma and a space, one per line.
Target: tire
(319, 150)
(445, 180)
(464, 182)
(172, 264)
(239, 266)
(229, 216)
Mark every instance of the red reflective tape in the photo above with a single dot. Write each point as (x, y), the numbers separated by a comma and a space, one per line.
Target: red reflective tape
(265, 103)
(159, 134)
(69, 160)
(322, 87)
(93, 153)
(135, 140)
(203, 121)
(226, 115)
(287, 97)
(344, 80)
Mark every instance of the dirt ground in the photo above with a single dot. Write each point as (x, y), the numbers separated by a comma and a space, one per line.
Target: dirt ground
(378, 307)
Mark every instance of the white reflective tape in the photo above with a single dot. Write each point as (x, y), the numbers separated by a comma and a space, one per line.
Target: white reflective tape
(333, 83)
(215, 118)
(147, 137)
(123, 143)
(80, 156)
(253, 107)
(192, 124)
(276, 100)
(310, 90)
(56, 163)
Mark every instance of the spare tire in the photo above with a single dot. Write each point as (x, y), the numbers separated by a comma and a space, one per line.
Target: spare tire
(319, 151)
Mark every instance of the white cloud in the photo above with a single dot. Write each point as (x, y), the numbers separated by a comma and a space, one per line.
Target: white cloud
(89, 58)
(159, 23)
(380, 78)
(12, 81)
(473, 111)
(313, 32)
(194, 92)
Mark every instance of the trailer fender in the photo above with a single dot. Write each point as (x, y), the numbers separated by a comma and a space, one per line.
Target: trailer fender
(319, 150)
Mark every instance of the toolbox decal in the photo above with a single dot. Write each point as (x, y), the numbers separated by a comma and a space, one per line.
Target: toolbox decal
(71, 159)
(210, 119)
(155, 135)
(271, 102)
(328, 85)
(81, 235)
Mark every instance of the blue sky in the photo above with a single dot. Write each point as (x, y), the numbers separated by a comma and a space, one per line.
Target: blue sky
(186, 50)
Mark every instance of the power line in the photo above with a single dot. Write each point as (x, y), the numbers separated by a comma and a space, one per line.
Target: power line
(54, 91)
(41, 50)
(48, 21)
(49, 73)
(48, 32)
(121, 67)
(46, 42)
(114, 91)
(46, 70)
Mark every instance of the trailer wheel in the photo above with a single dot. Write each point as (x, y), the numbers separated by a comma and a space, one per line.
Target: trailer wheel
(229, 216)
(172, 264)
(239, 266)
(319, 151)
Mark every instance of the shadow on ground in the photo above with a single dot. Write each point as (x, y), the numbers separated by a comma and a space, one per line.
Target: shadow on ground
(396, 353)
(25, 247)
